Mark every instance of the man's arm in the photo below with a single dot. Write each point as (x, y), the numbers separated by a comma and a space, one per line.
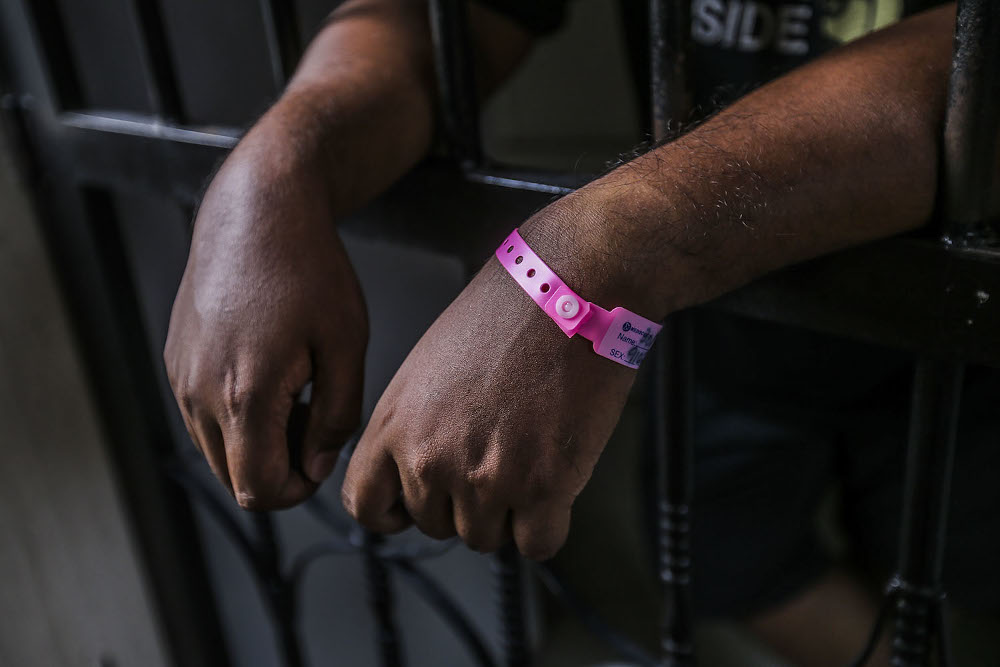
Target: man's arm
(364, 94)
(495, 421)
(842, 151)
(269, 300)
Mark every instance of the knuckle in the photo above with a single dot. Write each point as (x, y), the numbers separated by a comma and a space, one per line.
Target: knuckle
(236, 400)
(480, 482)
(250, 501)
(259, 490)
(238, 394)
(538, 486)
(361, 511)
(425, 467)
(385, 412)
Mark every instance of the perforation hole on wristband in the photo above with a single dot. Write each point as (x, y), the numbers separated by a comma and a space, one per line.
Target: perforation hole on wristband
(510, 249)
(519, 259)
(544, 287)
(531, 273)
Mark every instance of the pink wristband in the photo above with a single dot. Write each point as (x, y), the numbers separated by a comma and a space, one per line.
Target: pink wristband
(619, 335)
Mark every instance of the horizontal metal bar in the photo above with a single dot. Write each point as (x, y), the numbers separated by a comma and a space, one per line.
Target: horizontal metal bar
(518, 182)
(877, 292)
(138, 125)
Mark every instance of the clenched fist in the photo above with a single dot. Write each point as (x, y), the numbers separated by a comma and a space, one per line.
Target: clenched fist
(493, 424)
(269, 302)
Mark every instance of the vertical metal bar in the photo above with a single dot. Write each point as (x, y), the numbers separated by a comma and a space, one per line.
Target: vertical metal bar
(507, 569)
(456, 79)
(63, 76)
(280, 591)
(673, 379)
(673, 394)
(381, 599)
(933, 422)
(969, 160)
(971, 127)
(669, 38)
(284, 44)
(162, 88)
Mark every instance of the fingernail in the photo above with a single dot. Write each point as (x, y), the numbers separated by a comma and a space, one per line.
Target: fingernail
(321, 466)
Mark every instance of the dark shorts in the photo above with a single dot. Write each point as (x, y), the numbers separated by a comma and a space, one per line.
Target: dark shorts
(788, 418)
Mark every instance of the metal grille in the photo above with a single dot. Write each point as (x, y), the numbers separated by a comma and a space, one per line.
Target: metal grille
(75, 155)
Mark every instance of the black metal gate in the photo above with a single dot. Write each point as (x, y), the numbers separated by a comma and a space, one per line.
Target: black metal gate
(85, 142)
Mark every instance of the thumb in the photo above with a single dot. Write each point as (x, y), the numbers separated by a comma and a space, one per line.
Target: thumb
(334, 413)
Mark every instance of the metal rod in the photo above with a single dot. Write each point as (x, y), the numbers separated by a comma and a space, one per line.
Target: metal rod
(446, 608)
(972, 122)
(930, 454)
(673, 378)
(621, 644)
(507, 568)
(673, 393)
(381, 599)
(280, 591)
(162, 87)
(61, 70)
(456, 80)
(885, 611)
(669, 38)
(284, 44)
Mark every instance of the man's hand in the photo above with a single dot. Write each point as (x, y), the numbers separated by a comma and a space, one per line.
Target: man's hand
(496, 419)
(269, 301)
(492, 426)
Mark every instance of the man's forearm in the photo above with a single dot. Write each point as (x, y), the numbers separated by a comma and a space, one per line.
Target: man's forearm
(834, 154)
(360, 107)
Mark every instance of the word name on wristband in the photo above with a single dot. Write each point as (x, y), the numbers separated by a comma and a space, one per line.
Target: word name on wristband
(619, 335)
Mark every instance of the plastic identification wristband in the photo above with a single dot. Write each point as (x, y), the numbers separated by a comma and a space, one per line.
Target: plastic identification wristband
(620, 335)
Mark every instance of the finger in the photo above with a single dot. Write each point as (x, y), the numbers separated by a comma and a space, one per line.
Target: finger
(430, 509)
(334, 414)
(258, 460)
(208, 435)
(371, 491)
(540, 530)
(482, 528)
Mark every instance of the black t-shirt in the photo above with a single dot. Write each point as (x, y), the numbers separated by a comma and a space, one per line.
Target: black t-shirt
(736, 44)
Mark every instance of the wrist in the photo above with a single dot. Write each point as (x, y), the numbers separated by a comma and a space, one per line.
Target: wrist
(600, 253)
(291, 138)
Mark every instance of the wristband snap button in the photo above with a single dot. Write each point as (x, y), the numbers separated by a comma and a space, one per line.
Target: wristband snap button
(567, 306)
